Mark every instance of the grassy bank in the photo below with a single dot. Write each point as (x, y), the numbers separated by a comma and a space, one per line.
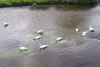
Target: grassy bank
(68, 1)
(7, 3)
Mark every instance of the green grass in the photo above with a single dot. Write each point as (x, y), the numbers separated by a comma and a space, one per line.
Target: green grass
(5, 3)
(69, 1)
(13, 53)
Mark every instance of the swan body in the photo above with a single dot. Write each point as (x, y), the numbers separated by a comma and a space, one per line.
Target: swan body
(23, 48)
(40, 32)
(43, 46)
(6, 24)
(37, 38)
(59, 38)
(84, 33)
(91, 29)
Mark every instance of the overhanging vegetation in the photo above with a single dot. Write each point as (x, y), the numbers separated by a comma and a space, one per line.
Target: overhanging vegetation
(4, 3)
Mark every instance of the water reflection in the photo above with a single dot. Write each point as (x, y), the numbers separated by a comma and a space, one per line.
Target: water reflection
(63, 7)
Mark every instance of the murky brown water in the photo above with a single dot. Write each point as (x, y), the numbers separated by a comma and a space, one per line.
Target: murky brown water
(73, 51)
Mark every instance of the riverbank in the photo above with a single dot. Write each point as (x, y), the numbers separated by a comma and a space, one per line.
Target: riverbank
(9, 3)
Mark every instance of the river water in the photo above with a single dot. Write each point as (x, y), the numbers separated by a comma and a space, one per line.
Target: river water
(56, 21)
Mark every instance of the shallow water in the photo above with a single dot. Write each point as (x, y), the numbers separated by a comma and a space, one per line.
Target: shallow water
(73, 51)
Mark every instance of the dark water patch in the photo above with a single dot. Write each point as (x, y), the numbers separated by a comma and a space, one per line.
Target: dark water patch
(40, 7)
(64, 7)
(74, 7)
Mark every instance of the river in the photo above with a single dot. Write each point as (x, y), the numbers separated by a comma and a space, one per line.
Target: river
(56, 21)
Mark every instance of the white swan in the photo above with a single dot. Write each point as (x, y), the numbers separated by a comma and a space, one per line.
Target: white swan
(40, 32)
(6, 24)
(77, 30)
(37, 37)
(23, 48)
(59, 39)
(43, 46)
(91, 29)
(84, 33)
